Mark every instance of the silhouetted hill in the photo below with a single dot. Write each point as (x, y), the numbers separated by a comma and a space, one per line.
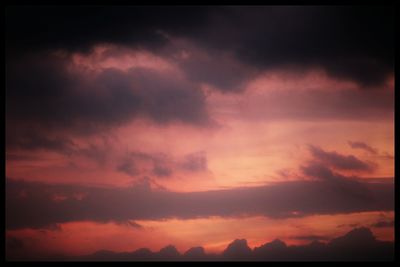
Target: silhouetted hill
(357, 245)
(274, 250)
(168, 253)
(195, 254)
(237, 250)
(354, 238)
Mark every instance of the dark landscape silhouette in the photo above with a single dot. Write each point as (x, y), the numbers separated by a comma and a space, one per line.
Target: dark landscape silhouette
(357, 245)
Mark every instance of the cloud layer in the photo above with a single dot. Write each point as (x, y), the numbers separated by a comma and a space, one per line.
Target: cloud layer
(349, 42)
(39, 205)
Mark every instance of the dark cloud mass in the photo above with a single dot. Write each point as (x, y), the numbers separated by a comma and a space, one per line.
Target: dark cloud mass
(338, 161)
(320, 169)
(280, 200)
(226, 47)
(51, 95)
(50, 27)
(350, 42)
(47, 102)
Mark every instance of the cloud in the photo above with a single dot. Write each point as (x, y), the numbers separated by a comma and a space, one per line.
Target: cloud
(338, 161)
(36, 140)
(131, 224)
(311, 95)
(128, 167)
(310, 237)
(341, 34)
(220, 69)
(383, 224)
(362, 145)
(49, 99)
(135, 26)
(319, 171)
(354, 43)
(280, 200)
(162, 171)
(195, 162)
(348, 185)
(162, 165)
(353, 225)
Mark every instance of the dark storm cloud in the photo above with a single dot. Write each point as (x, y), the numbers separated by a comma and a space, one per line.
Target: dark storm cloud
(362, 145)
(354, 43)
(281, 200)
(338, 161)
(45, 97)
(349, 42)
(77, 28)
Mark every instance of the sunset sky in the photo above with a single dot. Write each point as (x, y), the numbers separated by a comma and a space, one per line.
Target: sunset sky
(140, 127)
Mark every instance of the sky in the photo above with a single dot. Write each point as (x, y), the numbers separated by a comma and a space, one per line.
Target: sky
(141, 127)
